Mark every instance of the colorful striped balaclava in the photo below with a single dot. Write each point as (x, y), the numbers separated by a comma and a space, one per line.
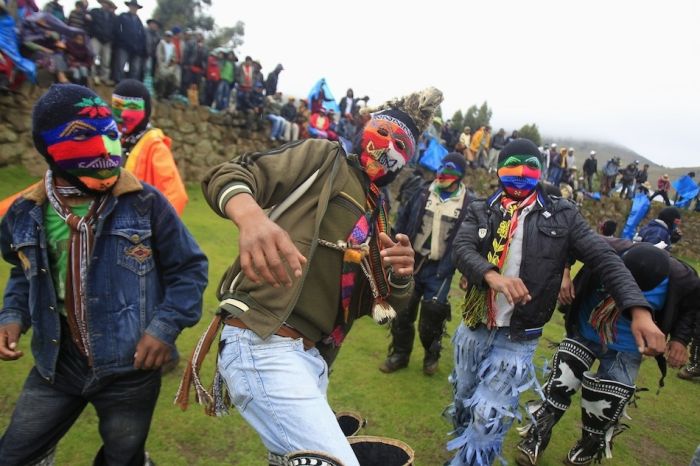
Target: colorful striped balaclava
(73, 129)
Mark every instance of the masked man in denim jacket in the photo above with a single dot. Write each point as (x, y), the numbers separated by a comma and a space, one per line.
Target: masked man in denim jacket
(107, 276)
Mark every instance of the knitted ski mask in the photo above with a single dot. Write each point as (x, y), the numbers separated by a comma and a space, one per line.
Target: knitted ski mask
(73, 130)
(648, 265)
(131, 106)
(453, 168)
(671, 216)
(519, 168)
(389, 138)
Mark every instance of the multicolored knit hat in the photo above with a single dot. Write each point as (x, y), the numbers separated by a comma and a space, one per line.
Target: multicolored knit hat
(73, 130)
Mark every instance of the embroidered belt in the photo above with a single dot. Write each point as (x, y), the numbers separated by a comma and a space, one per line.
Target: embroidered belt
(283, 331)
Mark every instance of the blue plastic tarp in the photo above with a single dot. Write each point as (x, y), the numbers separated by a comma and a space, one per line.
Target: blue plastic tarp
(329, 102)
(687, 190)
(9, 47)
(640, 208)
(433, 155)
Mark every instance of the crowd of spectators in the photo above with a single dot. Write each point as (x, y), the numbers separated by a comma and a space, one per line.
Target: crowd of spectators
(93, 46)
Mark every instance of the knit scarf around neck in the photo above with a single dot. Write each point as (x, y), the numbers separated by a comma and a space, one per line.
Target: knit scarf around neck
(80, 245)
(480, 304)
(361, 254)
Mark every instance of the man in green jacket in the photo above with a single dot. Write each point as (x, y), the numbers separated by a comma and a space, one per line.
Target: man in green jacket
(314, 256)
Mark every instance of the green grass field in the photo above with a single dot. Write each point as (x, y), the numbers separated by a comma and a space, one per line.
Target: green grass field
(407, 405)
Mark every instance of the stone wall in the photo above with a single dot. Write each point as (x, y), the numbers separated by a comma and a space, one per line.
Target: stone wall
(201, 139)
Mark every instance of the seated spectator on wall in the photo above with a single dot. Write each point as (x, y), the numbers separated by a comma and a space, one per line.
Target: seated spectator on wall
(273, 109)
(79, 59)
(289, 113)
(320, 126)
(303, 118)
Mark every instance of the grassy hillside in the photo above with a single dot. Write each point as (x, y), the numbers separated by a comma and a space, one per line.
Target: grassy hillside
(405, 405)
(607, 150)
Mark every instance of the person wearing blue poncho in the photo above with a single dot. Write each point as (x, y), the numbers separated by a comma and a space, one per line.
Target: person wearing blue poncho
(10, 58)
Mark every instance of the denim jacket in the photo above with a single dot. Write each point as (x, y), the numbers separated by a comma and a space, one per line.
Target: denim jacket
(147, 274)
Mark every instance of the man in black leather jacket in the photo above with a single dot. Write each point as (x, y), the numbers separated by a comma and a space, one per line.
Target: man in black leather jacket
(512, 248)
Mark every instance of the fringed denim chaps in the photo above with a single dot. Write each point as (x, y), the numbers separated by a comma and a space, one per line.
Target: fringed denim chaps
(490, 373)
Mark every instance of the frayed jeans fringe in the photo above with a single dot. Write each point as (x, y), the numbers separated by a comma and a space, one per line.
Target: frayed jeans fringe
(490, 373)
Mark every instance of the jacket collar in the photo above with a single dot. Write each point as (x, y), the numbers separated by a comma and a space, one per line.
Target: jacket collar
(127, 183)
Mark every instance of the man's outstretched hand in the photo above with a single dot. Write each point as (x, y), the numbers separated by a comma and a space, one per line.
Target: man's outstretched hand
(9, 337)
(399, 255)
(650, 340)
(267, 252)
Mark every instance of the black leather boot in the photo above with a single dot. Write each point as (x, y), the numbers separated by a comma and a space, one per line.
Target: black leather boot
(402, 335)
(431, 328)
(603, 404)
(569, 363)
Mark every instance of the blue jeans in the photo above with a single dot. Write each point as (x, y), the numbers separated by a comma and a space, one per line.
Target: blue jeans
(277, 129)
(135, 65)
(45, 411)
(490, 373)
(280, 390)
(222, 95)
(555, 175)
(614, 365)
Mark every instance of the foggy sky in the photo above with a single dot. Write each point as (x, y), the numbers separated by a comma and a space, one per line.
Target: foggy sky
(621, 71)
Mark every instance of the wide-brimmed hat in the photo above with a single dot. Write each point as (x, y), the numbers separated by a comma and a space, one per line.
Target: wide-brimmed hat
(160, 25)
(133, 3)
(108, 3)
(665, 177)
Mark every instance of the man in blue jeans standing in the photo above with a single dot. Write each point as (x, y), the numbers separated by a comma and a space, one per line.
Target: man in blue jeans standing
(430, 219)
(105, 274)
(597, 329)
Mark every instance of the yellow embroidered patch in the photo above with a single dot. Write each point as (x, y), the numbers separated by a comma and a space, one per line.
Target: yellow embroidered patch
(24, 260)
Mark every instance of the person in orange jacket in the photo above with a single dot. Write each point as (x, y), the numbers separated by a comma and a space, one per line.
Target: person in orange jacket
(146, 149)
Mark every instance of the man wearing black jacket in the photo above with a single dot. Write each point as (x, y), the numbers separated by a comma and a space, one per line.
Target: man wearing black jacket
(430, 219)
(131, 43)
(597, 329)
(101, 25)
(590, 168)
(512, 249)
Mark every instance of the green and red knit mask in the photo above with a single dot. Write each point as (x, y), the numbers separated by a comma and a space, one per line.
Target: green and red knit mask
(74, 131)
(519, 168)
(129, 112)
(131, 106)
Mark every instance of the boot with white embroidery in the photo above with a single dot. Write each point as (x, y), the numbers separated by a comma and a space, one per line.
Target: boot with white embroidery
(569, 363)
(603, 404)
